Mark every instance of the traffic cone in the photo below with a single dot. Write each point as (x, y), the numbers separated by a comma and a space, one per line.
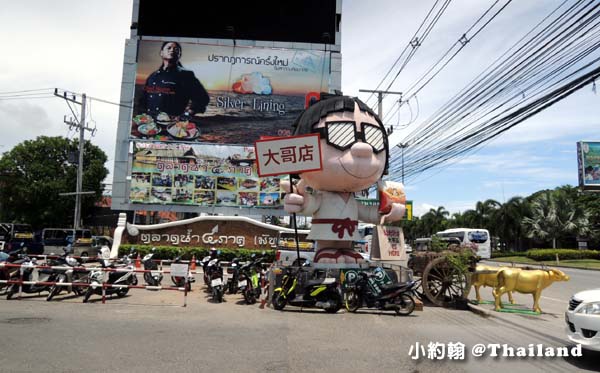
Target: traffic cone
(138, 262)
(193, 263)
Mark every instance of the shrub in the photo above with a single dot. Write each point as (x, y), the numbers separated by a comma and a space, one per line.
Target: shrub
(502, 254)
(563, 254)
(170, 252)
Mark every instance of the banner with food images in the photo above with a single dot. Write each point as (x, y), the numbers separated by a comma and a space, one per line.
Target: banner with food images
(252, 91)
(200, 174)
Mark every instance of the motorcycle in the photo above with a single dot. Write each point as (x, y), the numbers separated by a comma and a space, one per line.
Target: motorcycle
(180, 281)
(154, 277)
(214, 271)
(322, 293)
(74, 273)
(11, 257)
(28, 272)
(97, 278)
(249, 279)
(365, 291)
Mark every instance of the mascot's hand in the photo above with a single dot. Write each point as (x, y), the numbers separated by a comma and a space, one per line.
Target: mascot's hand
(294, 201)
(395, 214)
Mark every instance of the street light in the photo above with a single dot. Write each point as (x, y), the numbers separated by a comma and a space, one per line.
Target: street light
(402, 146)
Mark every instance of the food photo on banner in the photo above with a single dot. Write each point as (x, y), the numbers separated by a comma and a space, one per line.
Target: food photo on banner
(193, 92)
(200, 174)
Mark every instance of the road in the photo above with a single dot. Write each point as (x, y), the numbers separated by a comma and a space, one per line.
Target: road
(151, 332)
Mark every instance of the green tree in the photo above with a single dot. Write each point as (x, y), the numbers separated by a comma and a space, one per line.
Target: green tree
(554, 214)
(36, 171)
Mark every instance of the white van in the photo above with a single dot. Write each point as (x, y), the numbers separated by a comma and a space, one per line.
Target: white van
(477, 238)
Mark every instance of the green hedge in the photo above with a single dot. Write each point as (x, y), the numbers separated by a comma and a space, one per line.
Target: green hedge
(563, 254)
(170, 252)
(502, 254)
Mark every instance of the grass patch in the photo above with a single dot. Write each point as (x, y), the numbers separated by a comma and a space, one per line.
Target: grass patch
(572, 263)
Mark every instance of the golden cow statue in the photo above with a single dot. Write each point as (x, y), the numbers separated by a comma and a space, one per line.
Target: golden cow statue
(488, 276)
(526, 282)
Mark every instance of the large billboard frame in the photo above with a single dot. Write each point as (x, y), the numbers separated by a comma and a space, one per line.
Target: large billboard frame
(588, 173)
(124, 144)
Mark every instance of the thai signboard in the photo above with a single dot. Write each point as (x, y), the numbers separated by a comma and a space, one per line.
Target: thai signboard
(288, 155)
(200, 174)
(206, 233)
(193, 92)
(388, 244)
(588, 159)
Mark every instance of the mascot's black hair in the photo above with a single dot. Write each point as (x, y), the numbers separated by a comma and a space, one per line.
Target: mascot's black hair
(335, 104)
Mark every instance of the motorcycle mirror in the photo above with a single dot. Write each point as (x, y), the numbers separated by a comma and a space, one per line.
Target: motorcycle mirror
(153, 249)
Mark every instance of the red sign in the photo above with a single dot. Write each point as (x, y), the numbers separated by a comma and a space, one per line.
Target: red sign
(288, 155)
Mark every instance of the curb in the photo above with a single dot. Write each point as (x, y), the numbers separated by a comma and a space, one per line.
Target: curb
(479, 310)
(495, 260)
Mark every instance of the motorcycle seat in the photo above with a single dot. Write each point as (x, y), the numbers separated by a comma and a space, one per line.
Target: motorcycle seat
(396, 286)
(325, 281)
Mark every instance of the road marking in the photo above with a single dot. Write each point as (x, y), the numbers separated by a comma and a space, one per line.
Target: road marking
(556, 300)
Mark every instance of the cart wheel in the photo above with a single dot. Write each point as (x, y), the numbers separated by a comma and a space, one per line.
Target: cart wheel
(443, 282)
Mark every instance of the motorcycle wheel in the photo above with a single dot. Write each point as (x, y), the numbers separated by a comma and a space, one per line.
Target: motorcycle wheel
(88, 294)
(353, 301)
(55, 290)
(335, 297)
(122, 292)
(405, 305)
(178, 281)
(12, 290)
(79, 290)
(279, 300)
(250, 295)
(218, 294)
(149, 279)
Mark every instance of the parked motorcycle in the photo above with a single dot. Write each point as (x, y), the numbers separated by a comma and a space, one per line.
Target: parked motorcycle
(154, 277)
(73, 273)
(365, 291)
(12, 257)
(214, 271)
(320, 293)
(249, 279)
(97, 278)
(28, 272)
(181, 281)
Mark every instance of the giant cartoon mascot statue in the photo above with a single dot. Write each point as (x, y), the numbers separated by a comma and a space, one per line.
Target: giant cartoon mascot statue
(354, 151)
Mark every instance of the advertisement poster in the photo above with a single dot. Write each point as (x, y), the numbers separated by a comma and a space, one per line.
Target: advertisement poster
(388, 244)
(222, 94)
(589, 163)
(200, 174)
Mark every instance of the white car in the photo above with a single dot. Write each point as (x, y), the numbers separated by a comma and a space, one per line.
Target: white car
(583, 319)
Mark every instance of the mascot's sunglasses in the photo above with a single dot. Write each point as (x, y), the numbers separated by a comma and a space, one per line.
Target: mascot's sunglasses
(343, 134)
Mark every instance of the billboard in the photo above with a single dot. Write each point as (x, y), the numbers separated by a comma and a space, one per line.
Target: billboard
(200, 175)
(588, 159)
(252, 91)
(306, 21)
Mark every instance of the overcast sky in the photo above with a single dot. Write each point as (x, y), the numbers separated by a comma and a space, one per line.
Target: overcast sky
(78, 45)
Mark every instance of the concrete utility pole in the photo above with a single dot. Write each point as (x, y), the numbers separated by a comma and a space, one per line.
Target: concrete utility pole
(380, 99)
(71, 97)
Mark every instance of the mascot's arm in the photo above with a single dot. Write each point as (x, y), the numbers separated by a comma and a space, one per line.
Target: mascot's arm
(300, 201)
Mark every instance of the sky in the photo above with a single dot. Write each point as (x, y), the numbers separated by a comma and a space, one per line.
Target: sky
(78, 46)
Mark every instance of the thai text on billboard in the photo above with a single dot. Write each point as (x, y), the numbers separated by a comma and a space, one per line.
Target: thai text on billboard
(589, 163)
(192, 92)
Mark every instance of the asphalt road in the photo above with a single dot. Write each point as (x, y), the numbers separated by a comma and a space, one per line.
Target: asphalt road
(151, 332)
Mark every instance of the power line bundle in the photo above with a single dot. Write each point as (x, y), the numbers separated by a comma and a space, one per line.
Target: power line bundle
(556, 58)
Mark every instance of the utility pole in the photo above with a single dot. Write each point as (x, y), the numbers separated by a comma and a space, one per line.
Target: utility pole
(72, 97)
(402, 146)
(380, 99)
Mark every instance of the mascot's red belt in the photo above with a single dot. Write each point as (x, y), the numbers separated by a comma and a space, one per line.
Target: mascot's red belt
(339, 225)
